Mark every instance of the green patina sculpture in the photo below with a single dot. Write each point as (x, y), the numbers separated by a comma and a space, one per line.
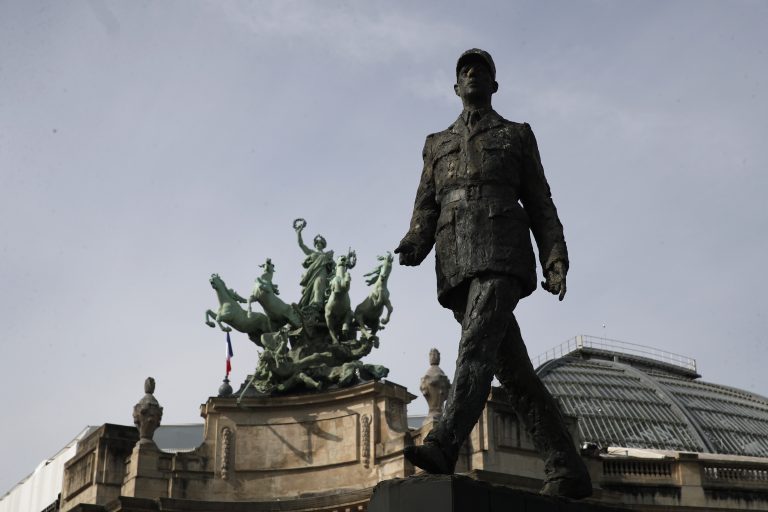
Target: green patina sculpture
(338, 311)
(265, 292)
(312, 344)
(368, 313)
(230, 312)
(319, 264)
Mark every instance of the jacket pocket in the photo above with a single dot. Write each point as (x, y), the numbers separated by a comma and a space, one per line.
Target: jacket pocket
(446, 148)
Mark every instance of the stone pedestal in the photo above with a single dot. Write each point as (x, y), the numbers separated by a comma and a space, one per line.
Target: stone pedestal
(294, 446)
(457, 493)
(148, 472)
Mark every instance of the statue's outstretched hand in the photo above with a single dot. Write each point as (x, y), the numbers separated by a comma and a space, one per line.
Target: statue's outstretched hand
(555, 279)
(407, 254)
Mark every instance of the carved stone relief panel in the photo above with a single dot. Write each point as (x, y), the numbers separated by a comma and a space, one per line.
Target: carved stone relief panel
(297, 445)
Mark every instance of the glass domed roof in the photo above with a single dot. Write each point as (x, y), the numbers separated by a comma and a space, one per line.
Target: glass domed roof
(650, 399)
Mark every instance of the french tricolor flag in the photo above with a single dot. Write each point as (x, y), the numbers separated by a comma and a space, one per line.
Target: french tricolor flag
(229, 355)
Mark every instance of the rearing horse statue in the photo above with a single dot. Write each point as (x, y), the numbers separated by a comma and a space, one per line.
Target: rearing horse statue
(338, 311)
(265, 292)
(230, 312)
(368, 313)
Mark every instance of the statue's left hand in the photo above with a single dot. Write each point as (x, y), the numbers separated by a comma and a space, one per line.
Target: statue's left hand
(408, 256)
(555, 279)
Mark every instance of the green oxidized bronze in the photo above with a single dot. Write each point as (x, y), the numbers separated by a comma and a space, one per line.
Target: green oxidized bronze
(368, 313)
(313, 344)
(230, 312)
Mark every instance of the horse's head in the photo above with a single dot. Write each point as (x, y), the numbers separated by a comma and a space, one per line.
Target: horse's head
(217, 282)
(340, 282)
(268, 266)
(386, 264)
(382, 270)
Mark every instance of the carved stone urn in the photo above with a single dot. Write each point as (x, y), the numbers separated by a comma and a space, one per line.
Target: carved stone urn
(434, 386)
(147, 413)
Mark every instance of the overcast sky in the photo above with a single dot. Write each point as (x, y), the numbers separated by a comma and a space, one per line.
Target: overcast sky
(147, 144)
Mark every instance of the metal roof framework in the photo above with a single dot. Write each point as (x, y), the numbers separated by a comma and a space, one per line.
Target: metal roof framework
(638, 401)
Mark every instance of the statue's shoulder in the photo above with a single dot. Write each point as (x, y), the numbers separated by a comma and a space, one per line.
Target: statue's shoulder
(433, 140)
(516, 129)
(438, 137)
(512, 125)
(523, 127)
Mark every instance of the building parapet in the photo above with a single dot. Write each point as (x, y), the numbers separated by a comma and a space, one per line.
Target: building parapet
(623, 349)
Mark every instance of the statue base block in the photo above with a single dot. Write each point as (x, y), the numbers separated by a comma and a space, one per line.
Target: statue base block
(458, 493)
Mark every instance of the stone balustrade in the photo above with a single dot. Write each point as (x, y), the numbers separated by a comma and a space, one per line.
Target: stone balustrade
(749, 475)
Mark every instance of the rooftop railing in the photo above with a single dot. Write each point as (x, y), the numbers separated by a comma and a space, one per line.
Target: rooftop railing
(584, 341)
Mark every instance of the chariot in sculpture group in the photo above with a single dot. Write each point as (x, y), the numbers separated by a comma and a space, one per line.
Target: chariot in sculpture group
(319, 341)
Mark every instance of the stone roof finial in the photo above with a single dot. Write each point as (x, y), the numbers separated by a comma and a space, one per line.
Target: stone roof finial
(147, 413)
(434, 386)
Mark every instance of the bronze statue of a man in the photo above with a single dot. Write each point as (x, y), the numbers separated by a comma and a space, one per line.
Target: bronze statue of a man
(468, 205)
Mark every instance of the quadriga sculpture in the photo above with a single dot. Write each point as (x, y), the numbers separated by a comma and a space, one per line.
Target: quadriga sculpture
(312, 344)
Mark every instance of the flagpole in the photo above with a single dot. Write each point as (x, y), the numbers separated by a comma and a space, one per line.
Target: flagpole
(225, 390)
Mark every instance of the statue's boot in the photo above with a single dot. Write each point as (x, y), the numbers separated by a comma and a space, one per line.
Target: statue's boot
(432, 457)
(575, 488)
(565, 472)
(485, 317)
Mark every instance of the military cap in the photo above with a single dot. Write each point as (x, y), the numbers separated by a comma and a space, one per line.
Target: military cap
(476, 53)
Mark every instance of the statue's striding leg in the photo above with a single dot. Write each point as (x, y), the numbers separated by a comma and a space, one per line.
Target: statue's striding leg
(487, 316)
(565, 472)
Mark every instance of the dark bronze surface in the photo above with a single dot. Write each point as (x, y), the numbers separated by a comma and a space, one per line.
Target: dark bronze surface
(482, 192)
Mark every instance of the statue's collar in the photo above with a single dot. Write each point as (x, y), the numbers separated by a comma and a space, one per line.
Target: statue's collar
(489, 119)
(479, 113)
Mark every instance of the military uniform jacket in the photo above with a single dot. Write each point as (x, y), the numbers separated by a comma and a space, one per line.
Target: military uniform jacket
(468, 205)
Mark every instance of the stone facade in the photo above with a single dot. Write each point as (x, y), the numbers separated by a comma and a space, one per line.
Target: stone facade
(325, 452)
(95, 474)
(262, 449)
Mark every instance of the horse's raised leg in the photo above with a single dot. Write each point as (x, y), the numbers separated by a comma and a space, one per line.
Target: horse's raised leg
(208, 315)
(389, 307)
(360, 321)
(222, 326)
(331, 328)
(346, 328)
(334, 336)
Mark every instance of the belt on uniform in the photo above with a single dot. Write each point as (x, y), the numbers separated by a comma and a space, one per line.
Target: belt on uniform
(479, 192)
